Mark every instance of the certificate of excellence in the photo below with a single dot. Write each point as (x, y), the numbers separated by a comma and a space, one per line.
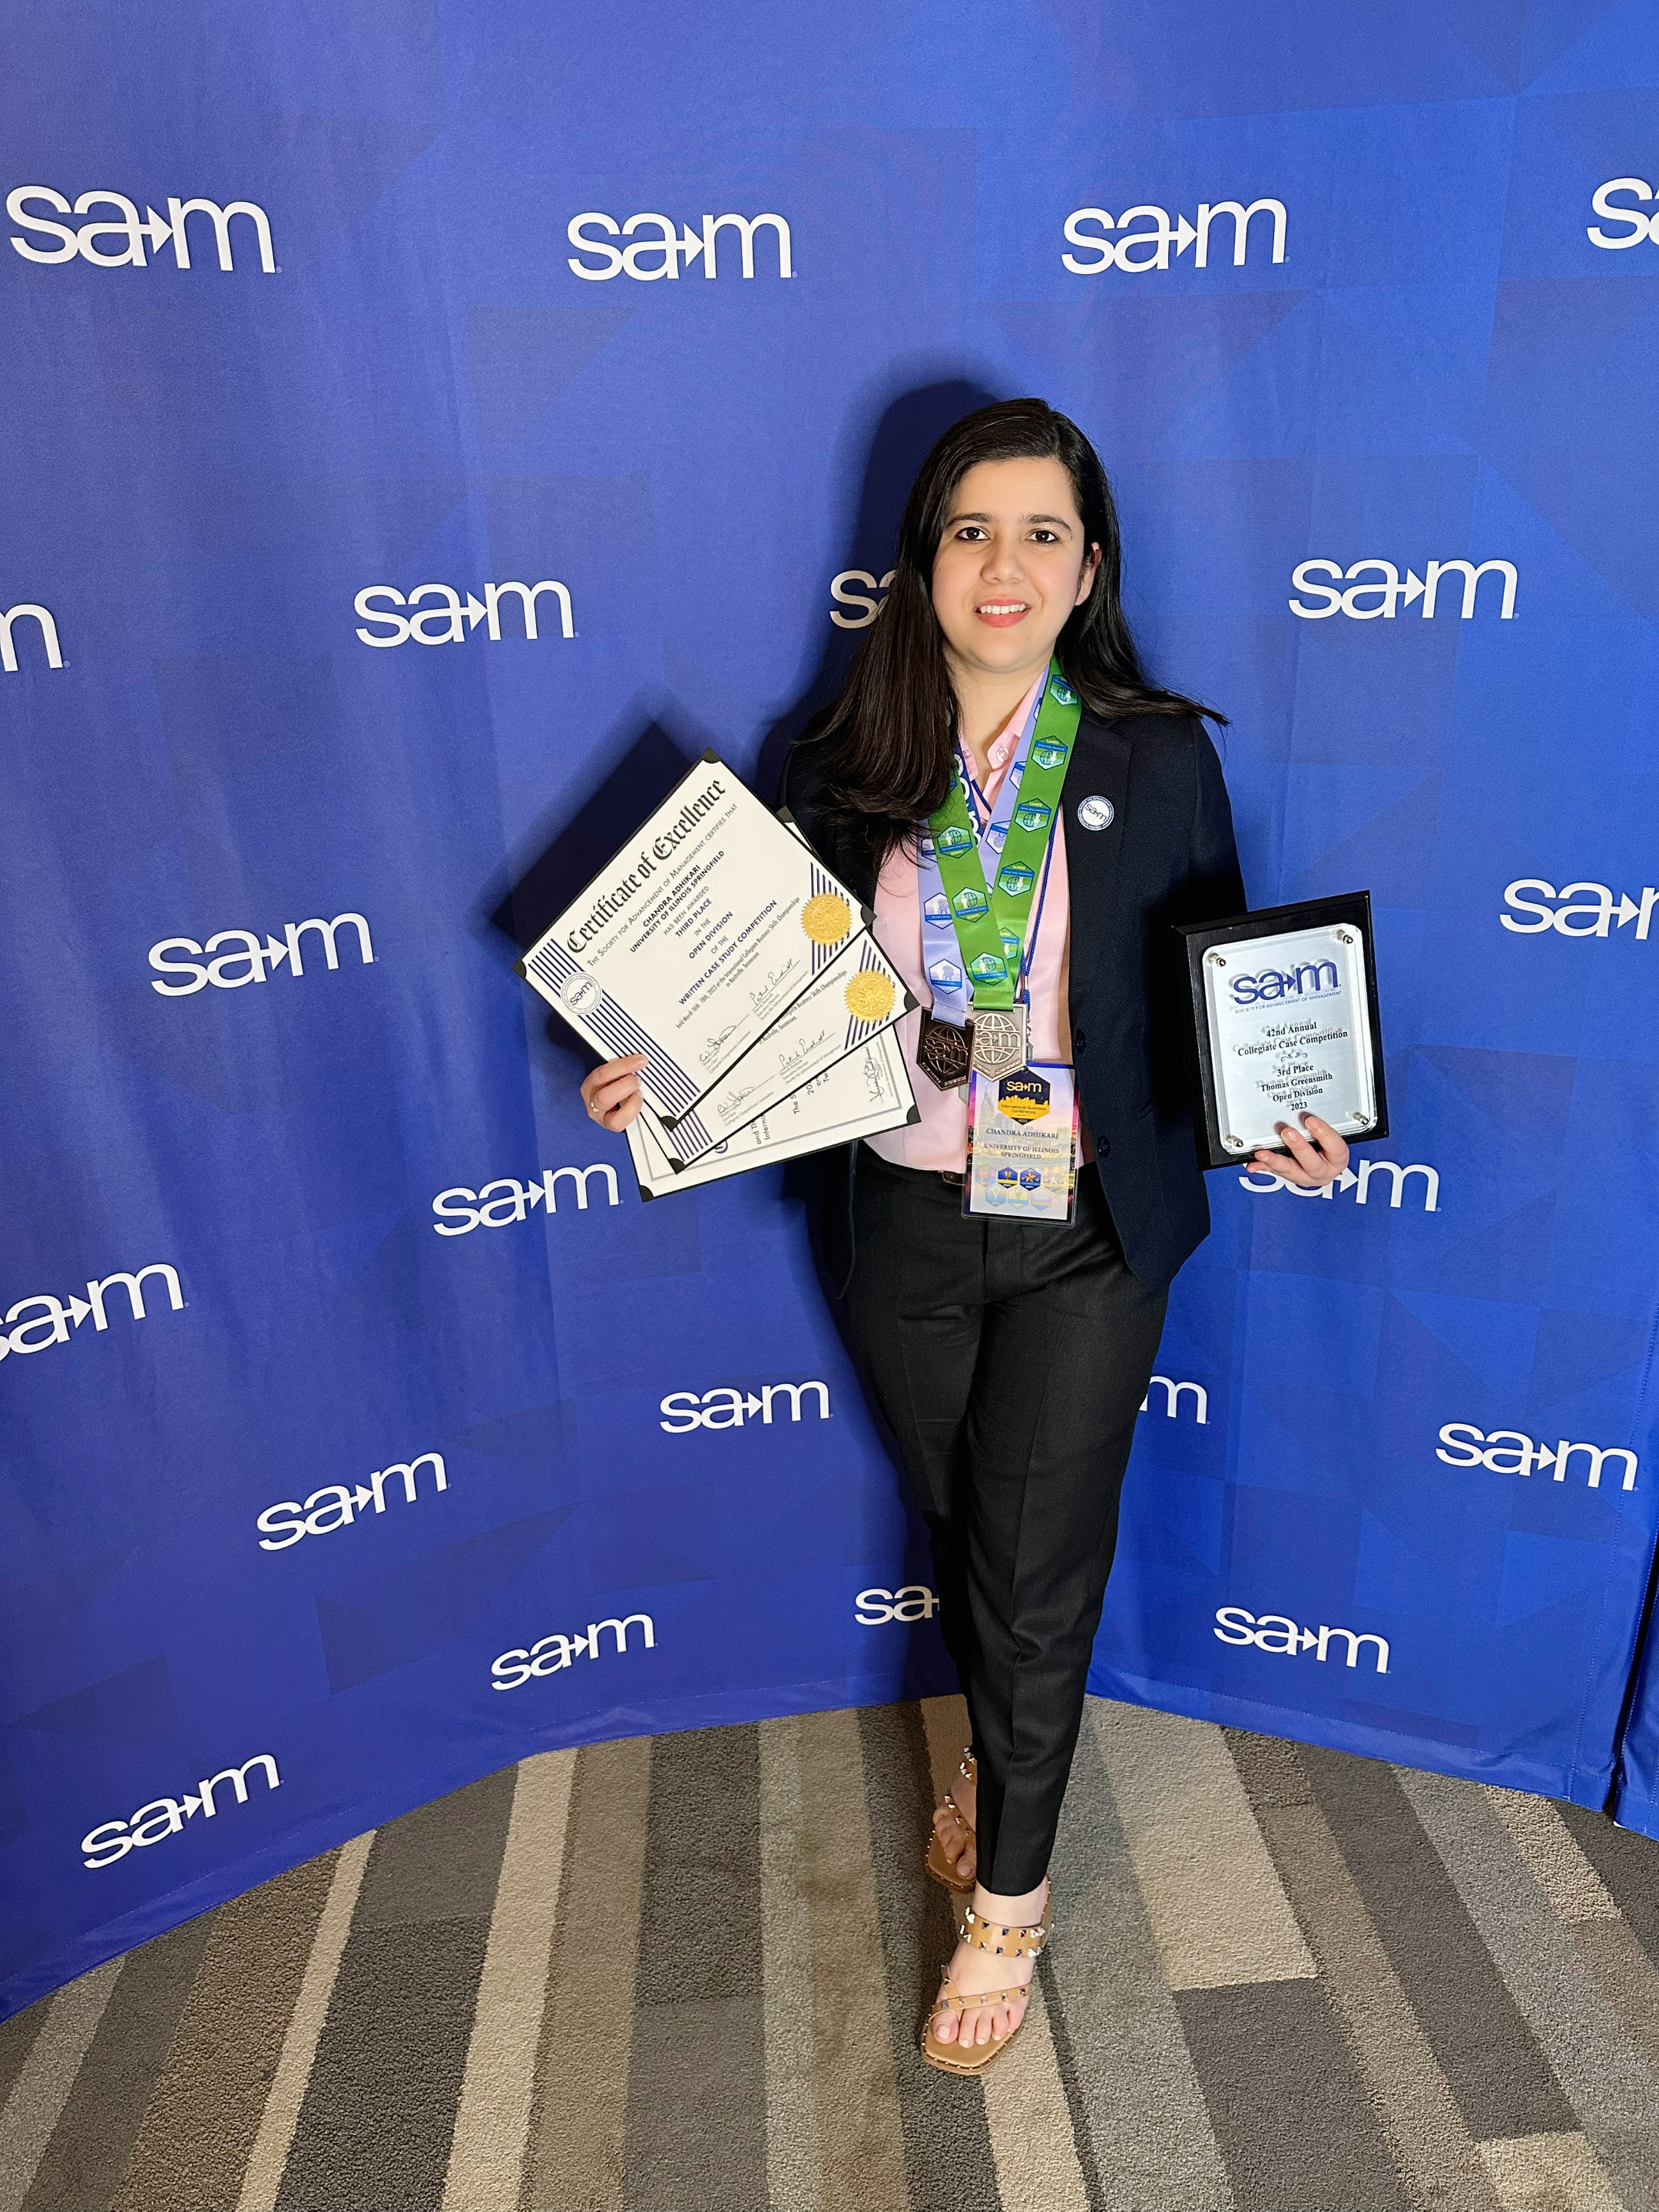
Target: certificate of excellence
(703, 930)
(1284, 1021)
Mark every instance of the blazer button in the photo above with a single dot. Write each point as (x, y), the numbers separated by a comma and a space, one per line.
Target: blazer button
(1079, 1039)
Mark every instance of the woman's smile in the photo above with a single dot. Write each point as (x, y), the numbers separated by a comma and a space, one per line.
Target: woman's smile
(1003, 614)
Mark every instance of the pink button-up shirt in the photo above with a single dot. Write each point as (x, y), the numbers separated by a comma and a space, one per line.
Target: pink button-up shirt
(940, 1140)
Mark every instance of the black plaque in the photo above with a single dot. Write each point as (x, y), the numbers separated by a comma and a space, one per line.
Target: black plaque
(1283, 1015)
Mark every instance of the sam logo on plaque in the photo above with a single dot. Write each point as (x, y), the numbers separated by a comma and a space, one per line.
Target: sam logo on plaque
(1313, 979)
(1285, 1022)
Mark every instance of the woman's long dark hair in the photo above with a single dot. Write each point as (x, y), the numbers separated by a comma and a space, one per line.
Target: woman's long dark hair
(888, 743)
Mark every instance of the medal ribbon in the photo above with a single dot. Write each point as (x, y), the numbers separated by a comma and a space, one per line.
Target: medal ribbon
(990, 921)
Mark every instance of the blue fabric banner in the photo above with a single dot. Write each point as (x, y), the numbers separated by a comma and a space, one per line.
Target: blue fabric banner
(426, 430)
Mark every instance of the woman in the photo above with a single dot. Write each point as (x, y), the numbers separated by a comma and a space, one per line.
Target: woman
(1010, 1357)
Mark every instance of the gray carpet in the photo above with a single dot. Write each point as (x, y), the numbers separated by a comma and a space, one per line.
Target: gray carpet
(689, 1971)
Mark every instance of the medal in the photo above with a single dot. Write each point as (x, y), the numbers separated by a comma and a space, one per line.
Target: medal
(943, 1052)
(998, 1040)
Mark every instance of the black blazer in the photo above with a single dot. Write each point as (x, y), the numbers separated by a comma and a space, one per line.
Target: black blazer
(1168, 855)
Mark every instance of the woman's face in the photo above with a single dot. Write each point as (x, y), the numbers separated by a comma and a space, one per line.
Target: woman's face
(1011, 564)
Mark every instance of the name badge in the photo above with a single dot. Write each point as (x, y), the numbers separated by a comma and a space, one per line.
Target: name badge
(1022, 1144)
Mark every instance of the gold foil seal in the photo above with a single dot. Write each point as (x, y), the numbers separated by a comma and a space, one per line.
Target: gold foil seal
(870, 995)
(826, 918)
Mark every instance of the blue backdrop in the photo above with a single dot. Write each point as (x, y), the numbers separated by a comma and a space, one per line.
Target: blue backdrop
(365, 1430)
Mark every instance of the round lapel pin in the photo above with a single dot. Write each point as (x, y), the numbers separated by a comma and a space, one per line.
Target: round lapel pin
(1096, 812)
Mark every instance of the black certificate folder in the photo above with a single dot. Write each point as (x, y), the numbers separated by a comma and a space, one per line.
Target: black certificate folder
(1283, 1012)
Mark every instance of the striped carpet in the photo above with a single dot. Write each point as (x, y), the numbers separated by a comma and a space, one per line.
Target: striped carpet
(688, 1973)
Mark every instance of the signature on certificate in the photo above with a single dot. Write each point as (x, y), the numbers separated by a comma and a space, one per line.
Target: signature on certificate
(711, 1051)
(762, 995)
(805, 1050)
(729, 1105)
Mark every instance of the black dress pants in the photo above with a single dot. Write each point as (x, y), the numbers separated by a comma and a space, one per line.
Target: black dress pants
(1009, 1360)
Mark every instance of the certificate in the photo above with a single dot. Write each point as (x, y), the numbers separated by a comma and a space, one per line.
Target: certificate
(860, 1095)
(1285, 1022)
(858, 995)
(704, 929)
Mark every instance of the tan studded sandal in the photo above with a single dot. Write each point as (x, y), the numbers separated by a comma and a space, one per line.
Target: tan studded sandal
(939, 1859)
(1006, 1943)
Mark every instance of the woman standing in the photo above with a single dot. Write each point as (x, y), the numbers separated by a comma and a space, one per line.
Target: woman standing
(1000, 774)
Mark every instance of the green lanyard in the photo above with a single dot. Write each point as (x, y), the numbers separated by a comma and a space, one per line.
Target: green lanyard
(990, 923)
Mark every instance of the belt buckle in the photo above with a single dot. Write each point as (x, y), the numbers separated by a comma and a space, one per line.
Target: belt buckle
(949, 1178)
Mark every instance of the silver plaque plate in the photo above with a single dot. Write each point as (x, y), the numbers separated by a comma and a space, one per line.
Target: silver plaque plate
(1290, 1034)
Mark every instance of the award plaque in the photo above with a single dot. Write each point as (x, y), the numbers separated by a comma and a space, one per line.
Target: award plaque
(1285, 1022)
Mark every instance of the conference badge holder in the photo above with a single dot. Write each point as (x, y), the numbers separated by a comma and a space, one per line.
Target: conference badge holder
(1022, 1144)
(1284, 1021)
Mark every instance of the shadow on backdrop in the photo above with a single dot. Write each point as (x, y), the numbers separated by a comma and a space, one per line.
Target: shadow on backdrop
(903, 433)
(644, 765)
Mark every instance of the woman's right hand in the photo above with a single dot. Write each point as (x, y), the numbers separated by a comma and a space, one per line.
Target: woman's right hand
(611, 1092)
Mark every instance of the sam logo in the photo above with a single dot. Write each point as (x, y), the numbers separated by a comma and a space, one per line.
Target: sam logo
(461, 1211)
(449, 619)
(1263, 1185)
(868, 600)
(1277, 1631)
(1637, 228)
(551, 1654)
(1511, 1451)
(1172, 1394)
(726, 1409)
(116, 238)
(659, 250)
(873, 1607)
(165, 1816)
(36, 1324)
(1146, 235)
(10, 617)
(243, 958)
(1577, 910)
(1314, 979)
(1382, 593)
(334, 1506)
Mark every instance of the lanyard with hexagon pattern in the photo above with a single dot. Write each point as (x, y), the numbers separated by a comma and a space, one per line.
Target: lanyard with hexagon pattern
(990, 921)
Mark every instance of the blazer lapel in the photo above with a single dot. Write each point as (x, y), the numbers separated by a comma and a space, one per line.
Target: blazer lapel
(1099, 770)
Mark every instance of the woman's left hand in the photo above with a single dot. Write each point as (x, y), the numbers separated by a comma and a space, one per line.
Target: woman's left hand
(1309, 1164)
